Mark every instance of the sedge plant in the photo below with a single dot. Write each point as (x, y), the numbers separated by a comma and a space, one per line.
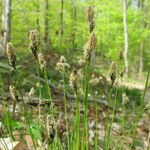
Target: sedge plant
(62, 66)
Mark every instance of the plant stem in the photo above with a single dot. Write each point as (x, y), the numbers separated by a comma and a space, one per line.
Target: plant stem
(77, 122)
(39, 88)
(113, 115)
(87, 73)
(48, 91)
(65, 105)
(28, 122)
(96, 120)
(107, 117)
(123, 124)
(133, 129)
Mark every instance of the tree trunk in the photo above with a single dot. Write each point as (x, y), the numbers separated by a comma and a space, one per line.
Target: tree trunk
(37, 19)
(61, 20)
(74, 17)
(141, 59)
(126, 42)
(143, 26)
(46, 39)
(6, 25)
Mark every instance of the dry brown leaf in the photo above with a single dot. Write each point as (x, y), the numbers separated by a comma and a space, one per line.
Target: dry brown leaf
(21, 146)
(141, 131)
(29, 141)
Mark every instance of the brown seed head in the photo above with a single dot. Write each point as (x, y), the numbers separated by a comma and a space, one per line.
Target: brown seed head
(125, 99)
(34, 41)
(42, 61)
(62, 64)
(122, 73)
(112, 73)
(50, 127)
(13, 92)
(90, 13)
(81, 62)
(91, 25)
(94, 81)
(31, 92)
(10, 51)
(90, 46)
(90, 17)
(113, 67)
(74, 79)
(62, 59)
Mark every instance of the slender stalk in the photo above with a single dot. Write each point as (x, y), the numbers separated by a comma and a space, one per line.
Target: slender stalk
(14, 102)
(113, 116)
(123, 124)
(148, 140)
(96, 122)
(142, 108)
(47, 85)
(48, 91)
(87, 74)
(9, 127)
(14, 108)
(77, 122)
(107, 117)
(39, 88)
(65, 104)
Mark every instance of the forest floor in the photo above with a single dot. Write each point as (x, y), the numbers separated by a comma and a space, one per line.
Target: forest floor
(142, 133)
(21, 136)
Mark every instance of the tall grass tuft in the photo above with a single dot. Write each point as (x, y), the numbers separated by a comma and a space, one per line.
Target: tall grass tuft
(62, 66)
(74, 81)
(89, 50)
(141, 110)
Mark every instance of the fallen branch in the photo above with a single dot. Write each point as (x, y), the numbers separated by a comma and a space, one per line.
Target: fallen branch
(69, 97)
(56, 91)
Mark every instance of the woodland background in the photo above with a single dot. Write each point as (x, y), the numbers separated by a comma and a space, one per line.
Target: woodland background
(119, 110)
(64, 29)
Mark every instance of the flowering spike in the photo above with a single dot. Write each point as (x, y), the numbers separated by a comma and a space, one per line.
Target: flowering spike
(112, 73)
(62, 64)
(42, 61)
(50, 126)
(10, 51)
(90, 47)
(34, 42)
(13, 92)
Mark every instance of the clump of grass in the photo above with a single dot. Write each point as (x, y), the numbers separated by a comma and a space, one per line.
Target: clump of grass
(125, 100)
(141, 110)
(62, 66)
(34, 46)
(89, 50)
(74, 82)
(42, 65)
(81, 140)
